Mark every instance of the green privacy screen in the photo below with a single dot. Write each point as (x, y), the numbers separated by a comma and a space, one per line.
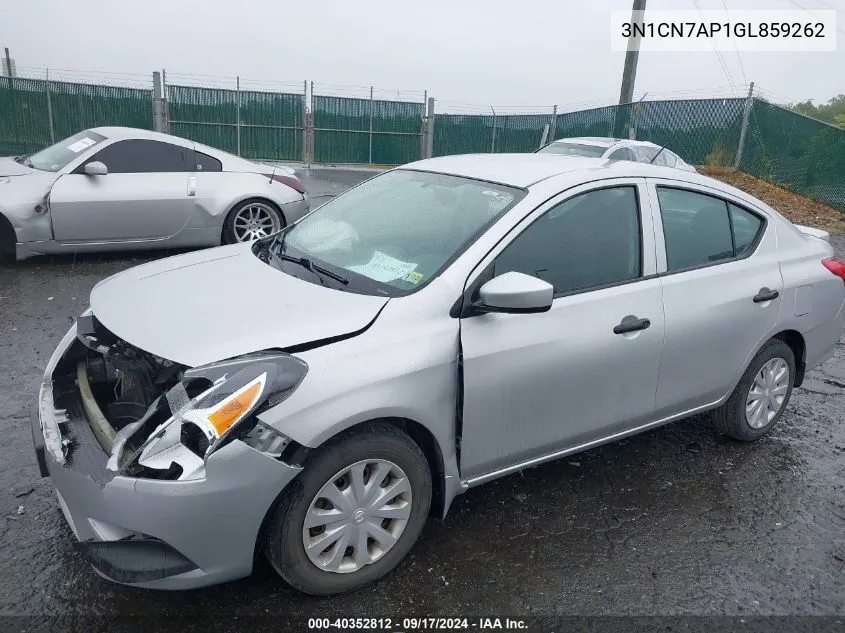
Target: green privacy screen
(468, 134)
(796, 153)
(24, 115)
(342, 130)
(270, 122)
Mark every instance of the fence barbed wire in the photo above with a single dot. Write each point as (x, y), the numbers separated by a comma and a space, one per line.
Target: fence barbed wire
(352, 123)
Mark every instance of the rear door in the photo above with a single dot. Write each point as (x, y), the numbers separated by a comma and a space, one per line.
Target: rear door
(144, 196)
(720, 271)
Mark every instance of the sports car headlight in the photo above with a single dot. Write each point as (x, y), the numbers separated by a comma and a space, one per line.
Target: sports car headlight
(213, 403)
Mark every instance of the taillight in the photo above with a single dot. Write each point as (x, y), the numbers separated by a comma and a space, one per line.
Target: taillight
(836, 266)
(290, 181)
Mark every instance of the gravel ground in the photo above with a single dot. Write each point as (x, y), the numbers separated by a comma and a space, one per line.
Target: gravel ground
(675, 521)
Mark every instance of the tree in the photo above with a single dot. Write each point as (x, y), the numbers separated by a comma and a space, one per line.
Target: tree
(832, 112)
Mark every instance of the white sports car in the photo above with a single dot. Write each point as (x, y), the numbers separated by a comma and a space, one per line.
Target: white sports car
(115, 188)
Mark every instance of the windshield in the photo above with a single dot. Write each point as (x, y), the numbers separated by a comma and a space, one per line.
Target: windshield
(398, 230)
(57, 156)
(573, 149)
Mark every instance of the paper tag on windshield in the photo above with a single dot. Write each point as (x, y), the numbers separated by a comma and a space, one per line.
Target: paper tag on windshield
(81, 144)
(383, 267)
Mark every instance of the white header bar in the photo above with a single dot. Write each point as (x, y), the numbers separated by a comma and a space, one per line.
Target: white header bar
(746, 30)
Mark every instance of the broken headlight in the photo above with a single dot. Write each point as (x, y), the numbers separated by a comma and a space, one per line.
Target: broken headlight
(211, 406)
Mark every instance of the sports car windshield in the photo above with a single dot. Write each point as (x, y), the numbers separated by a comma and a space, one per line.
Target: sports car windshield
(57, 156)
(395, 232)
(573, 149)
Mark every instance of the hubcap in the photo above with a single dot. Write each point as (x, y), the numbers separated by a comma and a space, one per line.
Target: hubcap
(254, 221)
(357, 516)
(767, 393)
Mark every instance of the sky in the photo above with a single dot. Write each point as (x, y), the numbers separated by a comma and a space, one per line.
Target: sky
(468, 54)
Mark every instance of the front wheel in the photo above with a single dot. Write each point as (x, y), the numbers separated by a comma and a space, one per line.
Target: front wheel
(353, 513)
(251, 220)
(758, 401)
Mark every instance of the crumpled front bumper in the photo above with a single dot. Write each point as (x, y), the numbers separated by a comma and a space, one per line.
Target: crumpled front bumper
(154, 533)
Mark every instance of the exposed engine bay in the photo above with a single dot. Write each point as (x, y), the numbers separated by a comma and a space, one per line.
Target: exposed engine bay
(159, 419)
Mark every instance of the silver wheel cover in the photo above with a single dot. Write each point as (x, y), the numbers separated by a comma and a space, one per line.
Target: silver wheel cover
(767, 393)
(254, 221)
(357, 516)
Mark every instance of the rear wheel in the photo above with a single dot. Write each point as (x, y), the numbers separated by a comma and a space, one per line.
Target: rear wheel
(353, 513)
(758, 401)
(251, 220)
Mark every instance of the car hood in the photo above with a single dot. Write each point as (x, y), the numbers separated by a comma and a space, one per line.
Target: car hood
(10, 167)
(223, 302)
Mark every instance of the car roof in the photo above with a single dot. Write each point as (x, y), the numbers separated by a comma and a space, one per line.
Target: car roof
(524, 170)
(114, 132)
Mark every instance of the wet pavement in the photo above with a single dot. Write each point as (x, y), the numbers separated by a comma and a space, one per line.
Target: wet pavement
(673, 521)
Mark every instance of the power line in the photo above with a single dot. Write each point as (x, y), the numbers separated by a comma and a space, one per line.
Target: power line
(736, 46)
(716, 50)
(803, 8)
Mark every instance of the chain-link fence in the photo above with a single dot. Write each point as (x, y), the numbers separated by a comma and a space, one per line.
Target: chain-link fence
(796, 152)
(781, 146)
(260, 125)
(375, 131)
(36, 112)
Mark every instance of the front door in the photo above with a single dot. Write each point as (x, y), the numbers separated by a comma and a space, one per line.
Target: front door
(536, 384)
(144, 195)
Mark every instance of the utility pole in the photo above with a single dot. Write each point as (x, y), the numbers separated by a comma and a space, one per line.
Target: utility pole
(749, 100)
(629, 72)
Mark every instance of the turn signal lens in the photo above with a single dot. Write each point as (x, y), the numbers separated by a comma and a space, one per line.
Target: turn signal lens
(836, 266)
(235, 407)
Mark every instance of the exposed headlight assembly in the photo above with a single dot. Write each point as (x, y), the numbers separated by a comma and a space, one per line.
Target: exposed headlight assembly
(210, 406)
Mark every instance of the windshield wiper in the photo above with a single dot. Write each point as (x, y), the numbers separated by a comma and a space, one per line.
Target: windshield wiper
(318, 270)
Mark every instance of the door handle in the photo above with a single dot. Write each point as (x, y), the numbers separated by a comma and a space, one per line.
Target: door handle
(192, 186)
(765, 295)
(631, 324)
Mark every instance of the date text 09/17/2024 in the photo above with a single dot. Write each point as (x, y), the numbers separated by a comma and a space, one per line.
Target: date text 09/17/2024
(416, 624)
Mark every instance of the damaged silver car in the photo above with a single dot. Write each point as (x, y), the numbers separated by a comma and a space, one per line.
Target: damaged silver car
(317, 394)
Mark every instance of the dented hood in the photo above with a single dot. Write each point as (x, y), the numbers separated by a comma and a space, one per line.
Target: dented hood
(219, 303)
(10, 167)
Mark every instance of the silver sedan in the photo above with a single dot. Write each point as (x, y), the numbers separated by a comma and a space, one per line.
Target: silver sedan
(123, 189)
(317, 394)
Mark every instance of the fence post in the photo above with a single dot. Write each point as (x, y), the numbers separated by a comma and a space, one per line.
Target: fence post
(158, 103)
(50, 110)
(238, 111)
(493, 141)
(745, 116)
(429, 129)
(553, 126)
(370, 161)
(165, 103)
(304, 149)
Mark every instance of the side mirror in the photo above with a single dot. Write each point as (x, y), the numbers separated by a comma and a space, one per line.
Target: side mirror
(95, 168)
(515, 293)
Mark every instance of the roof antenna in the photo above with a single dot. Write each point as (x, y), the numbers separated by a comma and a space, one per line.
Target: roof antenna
(658, 153)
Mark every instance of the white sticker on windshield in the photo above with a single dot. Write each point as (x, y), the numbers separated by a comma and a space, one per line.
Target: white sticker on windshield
(81, 144)
(383, 267)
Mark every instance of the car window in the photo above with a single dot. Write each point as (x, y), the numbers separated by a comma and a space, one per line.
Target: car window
(696, 228)
(665, 158)
(590, 240)
(623, 153)
(746, 227)
(573, 149)
(395, 232)
(143, 156)
(56, 156)
(207, 163)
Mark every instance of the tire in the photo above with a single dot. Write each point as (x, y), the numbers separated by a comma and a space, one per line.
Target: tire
(285, 540)
(265, 207)
(731, 418)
